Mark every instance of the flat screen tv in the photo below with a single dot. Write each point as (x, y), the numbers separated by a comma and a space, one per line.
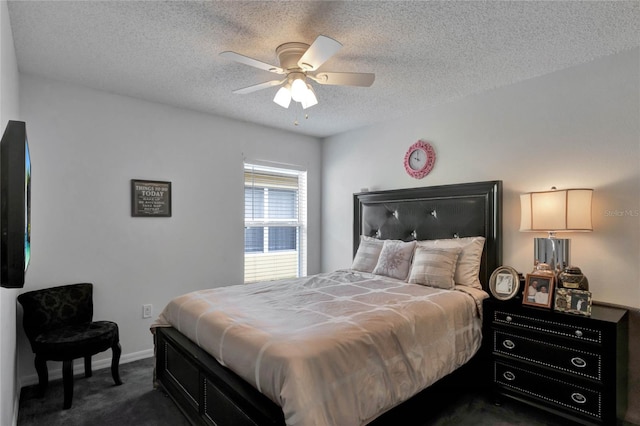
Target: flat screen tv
(15, 201)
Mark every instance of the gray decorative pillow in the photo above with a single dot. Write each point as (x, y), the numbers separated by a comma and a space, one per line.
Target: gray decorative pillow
(434, 267)
(395, 259)
(367, 255)
(468, 267)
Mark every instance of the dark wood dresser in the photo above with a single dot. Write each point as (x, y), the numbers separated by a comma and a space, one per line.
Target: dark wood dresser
(571, 365)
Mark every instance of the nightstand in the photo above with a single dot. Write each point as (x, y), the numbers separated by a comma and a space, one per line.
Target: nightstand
(570, 365)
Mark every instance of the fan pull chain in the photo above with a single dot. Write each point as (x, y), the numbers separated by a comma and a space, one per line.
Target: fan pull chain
(296, 122)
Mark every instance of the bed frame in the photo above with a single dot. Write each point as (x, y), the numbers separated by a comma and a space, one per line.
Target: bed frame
(210, 394)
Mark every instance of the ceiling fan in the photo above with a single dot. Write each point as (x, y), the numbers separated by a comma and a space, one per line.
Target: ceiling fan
(299, 62)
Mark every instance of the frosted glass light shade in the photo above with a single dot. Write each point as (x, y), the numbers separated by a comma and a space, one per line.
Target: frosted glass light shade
(283, 97)
(556, 211)
(309, 99)
(298, 89)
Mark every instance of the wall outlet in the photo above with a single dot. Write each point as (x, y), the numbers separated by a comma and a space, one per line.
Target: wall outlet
(147, 311)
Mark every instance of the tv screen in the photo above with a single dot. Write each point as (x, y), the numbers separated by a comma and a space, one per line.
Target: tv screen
(15, 201)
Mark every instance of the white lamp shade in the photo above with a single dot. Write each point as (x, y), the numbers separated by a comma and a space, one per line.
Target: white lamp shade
(556, 211)
(283, 97)
(309, 99)
(298, 89)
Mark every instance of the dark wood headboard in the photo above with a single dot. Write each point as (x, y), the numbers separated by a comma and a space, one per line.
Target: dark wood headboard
(435, 212)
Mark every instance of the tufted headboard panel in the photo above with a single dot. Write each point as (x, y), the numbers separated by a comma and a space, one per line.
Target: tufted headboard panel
(428, 213)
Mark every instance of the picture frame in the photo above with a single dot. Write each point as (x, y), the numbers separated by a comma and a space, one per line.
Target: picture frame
(538, 290)
(504, 283)
(150, 198)
(573, 301)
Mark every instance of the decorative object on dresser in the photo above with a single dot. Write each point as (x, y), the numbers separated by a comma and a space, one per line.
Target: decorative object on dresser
(573, 301)
(538, 290)
(543, 269)
(419, 159)
(567, 210)
(504, 283)
(569, 365)
(572, 277)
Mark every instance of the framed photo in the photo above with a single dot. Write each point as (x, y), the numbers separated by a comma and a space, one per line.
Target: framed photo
(538, 290)
(573, 301)
(504, 283)
(150, 198)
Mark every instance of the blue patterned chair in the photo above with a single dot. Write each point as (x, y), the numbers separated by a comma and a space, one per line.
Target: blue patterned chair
(59, 324)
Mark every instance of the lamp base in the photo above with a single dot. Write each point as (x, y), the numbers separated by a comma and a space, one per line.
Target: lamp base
(552, 251)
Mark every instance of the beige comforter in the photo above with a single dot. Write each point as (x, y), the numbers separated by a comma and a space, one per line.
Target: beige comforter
(333, 349)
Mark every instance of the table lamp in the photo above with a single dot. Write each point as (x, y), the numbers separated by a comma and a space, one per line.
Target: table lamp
(566, 210)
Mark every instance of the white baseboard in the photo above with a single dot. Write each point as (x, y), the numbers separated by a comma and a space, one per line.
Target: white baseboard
(55, 368)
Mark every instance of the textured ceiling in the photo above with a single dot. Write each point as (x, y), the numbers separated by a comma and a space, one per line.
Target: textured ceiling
(423, 53)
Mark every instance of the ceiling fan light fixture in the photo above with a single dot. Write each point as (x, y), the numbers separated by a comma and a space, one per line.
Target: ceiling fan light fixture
(299, 61)
(309, 99)
(283, 97)
(298, 89)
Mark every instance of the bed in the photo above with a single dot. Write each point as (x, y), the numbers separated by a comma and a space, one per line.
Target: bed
(345, 346)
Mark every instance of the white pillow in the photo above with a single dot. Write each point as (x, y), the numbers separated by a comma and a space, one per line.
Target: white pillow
(367, 255)
(468, 267)
(395, 259)
(434, 267)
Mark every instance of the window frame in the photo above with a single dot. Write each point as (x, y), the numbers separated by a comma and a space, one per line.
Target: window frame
(269, 181)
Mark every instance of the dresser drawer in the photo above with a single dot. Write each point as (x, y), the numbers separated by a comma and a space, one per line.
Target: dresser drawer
(570, 365)
(555, 392)
(524, 322)
(548, 354)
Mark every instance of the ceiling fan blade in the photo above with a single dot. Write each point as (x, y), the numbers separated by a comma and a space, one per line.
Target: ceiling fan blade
(251, 62)
(322, 49)
(344, 78)
(257, 87)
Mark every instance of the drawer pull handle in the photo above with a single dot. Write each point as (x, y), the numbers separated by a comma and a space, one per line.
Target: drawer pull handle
(579, 398)
(578, 333)
(579, 362)
(509, 319)
(508, 344)
(509, 376)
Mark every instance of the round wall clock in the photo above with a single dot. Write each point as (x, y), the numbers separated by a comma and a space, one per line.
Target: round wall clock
(419, 159)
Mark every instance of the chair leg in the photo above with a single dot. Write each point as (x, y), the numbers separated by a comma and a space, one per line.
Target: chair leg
(115, 361)
(67, 380)
(87, 366)
(43, 374)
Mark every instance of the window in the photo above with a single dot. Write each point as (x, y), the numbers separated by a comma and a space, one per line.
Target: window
(274, 223)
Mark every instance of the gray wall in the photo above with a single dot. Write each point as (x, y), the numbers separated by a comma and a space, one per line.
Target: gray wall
(86, 145)
(571, 129)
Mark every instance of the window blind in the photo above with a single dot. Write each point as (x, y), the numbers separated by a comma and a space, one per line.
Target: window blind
(275, 218)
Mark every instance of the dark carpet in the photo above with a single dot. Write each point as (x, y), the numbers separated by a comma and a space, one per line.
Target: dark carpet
(98, 402)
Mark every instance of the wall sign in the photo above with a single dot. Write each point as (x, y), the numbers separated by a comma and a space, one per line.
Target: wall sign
(150, 198)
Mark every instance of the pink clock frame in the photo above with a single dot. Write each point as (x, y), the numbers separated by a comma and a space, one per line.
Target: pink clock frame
(429, 163)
